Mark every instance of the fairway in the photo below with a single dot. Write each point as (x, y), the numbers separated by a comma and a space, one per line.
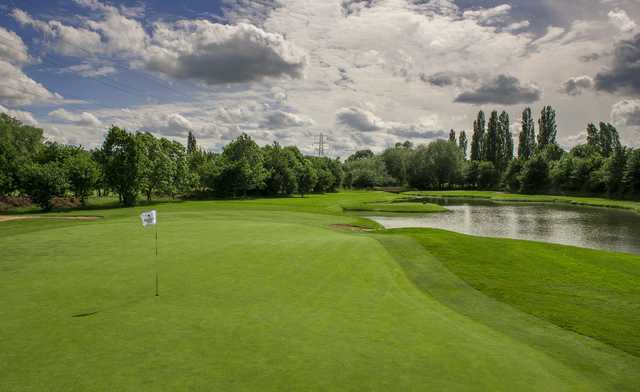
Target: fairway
(264, 295)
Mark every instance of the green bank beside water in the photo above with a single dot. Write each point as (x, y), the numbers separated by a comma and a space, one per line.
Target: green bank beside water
(266, 295)
(519, 198)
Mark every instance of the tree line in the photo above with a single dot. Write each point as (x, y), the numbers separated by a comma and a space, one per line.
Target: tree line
(131, 165)
(138, 164)
(488, 160)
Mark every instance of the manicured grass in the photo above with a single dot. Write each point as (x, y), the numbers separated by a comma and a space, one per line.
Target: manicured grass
(265, 295)
(517, 198)
(593, 293)
(400, 207)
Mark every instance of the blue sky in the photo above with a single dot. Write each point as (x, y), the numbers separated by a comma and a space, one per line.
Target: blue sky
(366, 72)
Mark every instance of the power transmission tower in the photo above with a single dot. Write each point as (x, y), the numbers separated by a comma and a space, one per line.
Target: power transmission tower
(322, 140)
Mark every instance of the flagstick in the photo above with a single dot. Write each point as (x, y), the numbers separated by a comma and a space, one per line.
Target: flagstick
(156, 263)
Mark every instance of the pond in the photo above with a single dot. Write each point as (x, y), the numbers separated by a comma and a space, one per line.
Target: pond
(587, 227)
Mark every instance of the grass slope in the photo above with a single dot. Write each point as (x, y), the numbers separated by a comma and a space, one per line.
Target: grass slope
(399, 207)
(257, 295)
(519, 198)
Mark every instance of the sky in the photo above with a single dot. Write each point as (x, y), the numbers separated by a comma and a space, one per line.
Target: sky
(365, 73)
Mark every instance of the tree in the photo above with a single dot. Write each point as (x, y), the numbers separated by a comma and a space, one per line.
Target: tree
(436, 165)
(192, 145)
(506, 142)
(609, 139)
(487, 175)
(463, 144)
(614, 170)
(511, 177)
(527, 139)
(396, 161)
(477, 138)
(547, 126)
(281, 165)
(83, 174)
(362, 154)
(368, 173)
(491, 142)
(19, 144)
(122, 164)
(44, 181)
(243, 167)
(307, 177)
(452, 136)
(632, 173)
(535, 175)
(157, 169)
(593, 137)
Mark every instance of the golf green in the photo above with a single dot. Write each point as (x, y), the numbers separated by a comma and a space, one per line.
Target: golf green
(272, 295)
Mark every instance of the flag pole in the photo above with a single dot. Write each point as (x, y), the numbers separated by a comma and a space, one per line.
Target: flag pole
(156, 261)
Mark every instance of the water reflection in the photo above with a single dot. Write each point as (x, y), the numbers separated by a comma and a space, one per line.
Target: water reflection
(589, 227)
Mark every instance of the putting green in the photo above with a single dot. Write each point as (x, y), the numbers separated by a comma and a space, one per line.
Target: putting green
(261, 295)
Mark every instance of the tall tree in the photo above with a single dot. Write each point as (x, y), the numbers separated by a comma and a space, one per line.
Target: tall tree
(609, 139)
(83, 174)
(452, 136)
(593, 137)
(122, 164)
(19, 145)
(192, 145)
(506, 142)
(548, 130)
(491, 142)
(527, 137)
(463, 143)
(478, 137)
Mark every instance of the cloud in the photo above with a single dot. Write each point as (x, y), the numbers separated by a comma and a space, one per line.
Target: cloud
(359, 119)
(624, 75)
(178, 122)
(280, 119)
(89, 70)
(217, 54)
(83, 119)
(626, 113)
(17, 89)
(20, 115)
(12, 48)
(489, 16)
(417, 132)
(186, 49)
(622, 21)
(576, 85)
(502, 90)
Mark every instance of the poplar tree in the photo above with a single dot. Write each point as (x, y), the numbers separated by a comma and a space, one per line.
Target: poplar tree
(477, 138)
(506, 140)
(548, 130)
(463, 143)
(452, 136)
(492, 140)
(527, 139)
(593, 137)
(191, 143)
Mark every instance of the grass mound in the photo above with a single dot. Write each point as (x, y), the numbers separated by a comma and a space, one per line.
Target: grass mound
(400, 207)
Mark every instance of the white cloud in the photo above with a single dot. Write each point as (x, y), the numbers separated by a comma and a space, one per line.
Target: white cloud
(84, 118)
(20, 115)
(89, 70)
(489, 15)
(12, 48)
(17, 89)
(281, 119)
(622, 21)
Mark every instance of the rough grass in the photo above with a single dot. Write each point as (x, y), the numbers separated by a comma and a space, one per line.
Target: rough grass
(266, 295)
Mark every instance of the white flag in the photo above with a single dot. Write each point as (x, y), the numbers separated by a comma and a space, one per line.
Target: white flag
(148, 218)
